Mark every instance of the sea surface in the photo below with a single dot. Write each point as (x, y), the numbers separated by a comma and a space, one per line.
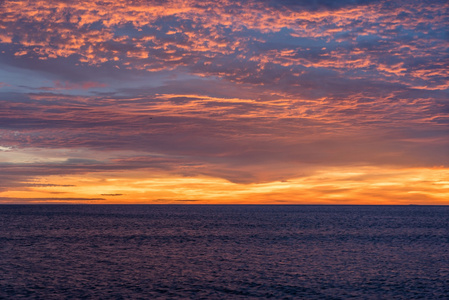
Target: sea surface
(223, 252)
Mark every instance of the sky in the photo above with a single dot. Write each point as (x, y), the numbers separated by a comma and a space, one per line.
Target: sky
(224, 102)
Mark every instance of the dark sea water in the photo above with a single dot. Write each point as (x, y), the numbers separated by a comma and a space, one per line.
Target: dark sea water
(224, 252)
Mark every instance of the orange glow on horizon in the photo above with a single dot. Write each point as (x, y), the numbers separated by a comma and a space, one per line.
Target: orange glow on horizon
(357, 185)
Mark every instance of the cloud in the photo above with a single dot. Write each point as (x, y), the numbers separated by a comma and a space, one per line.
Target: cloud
(251, 92)
(58, 85)
(233, 40)
(12, 200)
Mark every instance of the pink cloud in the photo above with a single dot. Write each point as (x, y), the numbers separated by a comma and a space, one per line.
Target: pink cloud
(4, 84)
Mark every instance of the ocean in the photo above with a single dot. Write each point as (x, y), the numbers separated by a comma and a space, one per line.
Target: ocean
(223, 252)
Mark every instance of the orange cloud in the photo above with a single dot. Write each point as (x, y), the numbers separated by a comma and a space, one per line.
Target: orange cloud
(68, 32)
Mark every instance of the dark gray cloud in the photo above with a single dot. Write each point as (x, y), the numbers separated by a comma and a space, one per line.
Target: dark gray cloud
(12, 200)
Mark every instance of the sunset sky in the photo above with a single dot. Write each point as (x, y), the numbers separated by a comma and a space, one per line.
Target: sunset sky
(224, 102)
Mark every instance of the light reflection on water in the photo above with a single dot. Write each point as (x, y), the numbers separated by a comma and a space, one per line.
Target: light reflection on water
(232, 252)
